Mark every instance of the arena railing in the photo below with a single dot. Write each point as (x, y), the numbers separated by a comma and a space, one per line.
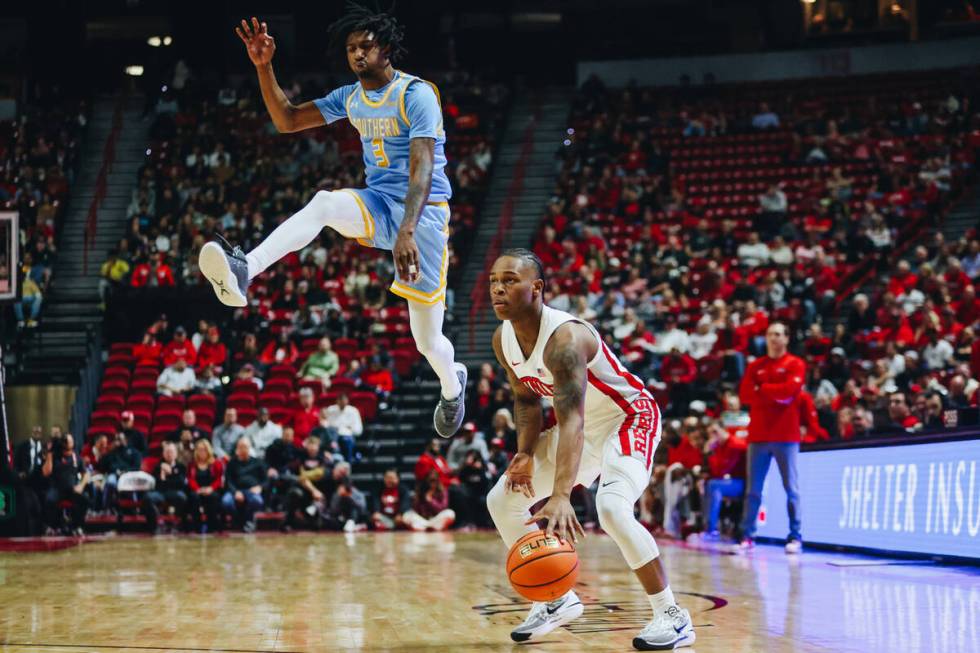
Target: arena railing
(478, 295)
(101, 182)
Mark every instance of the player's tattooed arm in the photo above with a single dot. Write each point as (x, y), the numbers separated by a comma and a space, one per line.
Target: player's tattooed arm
(567, 356)
(421, 162)
(529, 419)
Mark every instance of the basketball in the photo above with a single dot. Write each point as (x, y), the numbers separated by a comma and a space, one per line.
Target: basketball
(541, 567)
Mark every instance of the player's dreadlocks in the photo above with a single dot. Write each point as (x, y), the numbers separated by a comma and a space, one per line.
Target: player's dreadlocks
(361, 18)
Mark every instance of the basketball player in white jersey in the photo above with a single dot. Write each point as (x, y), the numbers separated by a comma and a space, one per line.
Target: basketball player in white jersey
(608, 427)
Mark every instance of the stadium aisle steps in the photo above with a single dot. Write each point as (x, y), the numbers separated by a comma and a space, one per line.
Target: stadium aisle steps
(550, 107)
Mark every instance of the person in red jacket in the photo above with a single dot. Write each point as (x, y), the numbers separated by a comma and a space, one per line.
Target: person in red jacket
(149, 350)
(179, 347)
(809, 419)
(205, 478)
(771, 388)
(306, 416)
(726, 470)
(212, 351)
(431, 459)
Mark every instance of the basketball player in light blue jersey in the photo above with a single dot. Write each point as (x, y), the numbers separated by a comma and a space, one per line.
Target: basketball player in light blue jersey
(405, 206)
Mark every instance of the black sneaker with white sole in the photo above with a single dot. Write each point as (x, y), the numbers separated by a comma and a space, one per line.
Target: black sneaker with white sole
(227, 270)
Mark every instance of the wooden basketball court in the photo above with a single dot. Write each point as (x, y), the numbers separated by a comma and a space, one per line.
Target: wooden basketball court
(314, 593)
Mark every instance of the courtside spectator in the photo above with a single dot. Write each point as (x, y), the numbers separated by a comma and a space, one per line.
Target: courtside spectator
(176, 379)
(306, 496)
(900, 417)
(392, 503)
(322, 364)
(282, 459)
(244, 478)
(263, 430)
(431, 459)
(726, 469)
(226, 434)
(347, 510)
(343, 424)
(498, 461)
(771, 389)
(170, 489)
(205, 478)
(430, 509)
(66, 482)
(121, 459)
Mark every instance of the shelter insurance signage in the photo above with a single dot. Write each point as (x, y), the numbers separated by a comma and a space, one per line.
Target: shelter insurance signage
(918, 498)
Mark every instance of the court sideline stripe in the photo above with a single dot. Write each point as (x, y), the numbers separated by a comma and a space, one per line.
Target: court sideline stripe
(147, 648)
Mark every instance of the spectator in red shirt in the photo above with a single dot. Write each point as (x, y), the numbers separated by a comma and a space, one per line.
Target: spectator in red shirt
(306, 417)
(148, 351)
(900, 417)
(212, 351)
(392, 504)
(431, 459)
(179, 347)
(771, 388)
(378, 378)
(726, 469)
(809, 419)
(205, 477)
(281, 351)
(153, 273)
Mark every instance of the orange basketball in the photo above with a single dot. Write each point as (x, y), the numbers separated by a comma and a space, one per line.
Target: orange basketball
(542, 568)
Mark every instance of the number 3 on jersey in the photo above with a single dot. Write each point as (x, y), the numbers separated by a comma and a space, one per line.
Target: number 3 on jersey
(378, 149)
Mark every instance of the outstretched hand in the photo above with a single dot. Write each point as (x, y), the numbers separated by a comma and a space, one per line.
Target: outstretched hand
(406, 255)
(560, 519)
(259, 44)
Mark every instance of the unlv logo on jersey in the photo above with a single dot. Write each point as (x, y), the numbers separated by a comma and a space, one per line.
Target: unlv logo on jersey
(538, 386)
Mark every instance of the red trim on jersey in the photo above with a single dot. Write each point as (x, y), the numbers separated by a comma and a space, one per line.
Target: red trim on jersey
(624, 439)
(653, 432)
(623, 372)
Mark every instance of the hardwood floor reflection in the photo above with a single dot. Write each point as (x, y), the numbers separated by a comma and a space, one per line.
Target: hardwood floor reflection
(447, 592)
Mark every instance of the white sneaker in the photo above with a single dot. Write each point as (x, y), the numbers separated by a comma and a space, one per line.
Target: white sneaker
(794, 546)
(350, 526)
(670, 629)
(545, 617)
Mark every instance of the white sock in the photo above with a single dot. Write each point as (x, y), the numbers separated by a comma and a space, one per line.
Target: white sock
(426, 323)
(661, 600)
(338, 210)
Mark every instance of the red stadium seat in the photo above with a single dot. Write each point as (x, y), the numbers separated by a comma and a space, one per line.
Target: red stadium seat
(140, 402)
(170, 403)
(272, 399)
(239, 400)
(202, 401)
(342, 384)
(246, 416)
(110, 402)
(244, 386)
(280, 385)
(366, 403)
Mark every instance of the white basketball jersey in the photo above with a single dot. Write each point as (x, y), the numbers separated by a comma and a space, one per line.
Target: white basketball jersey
(613, 393)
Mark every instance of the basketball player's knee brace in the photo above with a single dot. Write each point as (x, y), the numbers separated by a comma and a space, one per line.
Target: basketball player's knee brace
(616, 518)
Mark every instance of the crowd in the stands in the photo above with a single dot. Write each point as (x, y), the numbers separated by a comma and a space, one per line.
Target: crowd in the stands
(682, 223)
(38, 153)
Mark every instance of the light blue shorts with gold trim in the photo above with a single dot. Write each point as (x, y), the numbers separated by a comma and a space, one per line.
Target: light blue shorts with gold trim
(384, 215)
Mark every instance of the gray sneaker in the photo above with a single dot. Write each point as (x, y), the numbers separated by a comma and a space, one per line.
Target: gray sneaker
(227, 271)
(450, 412)
(670, 629)
(545, 617)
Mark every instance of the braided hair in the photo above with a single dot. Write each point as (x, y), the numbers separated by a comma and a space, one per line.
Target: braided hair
(388, 32)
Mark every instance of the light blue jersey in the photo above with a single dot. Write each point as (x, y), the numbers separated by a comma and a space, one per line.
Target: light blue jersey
(387, 119)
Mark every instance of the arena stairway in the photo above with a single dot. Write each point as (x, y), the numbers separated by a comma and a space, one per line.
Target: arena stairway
(55, 351)
(523, 173)
(963, 215)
